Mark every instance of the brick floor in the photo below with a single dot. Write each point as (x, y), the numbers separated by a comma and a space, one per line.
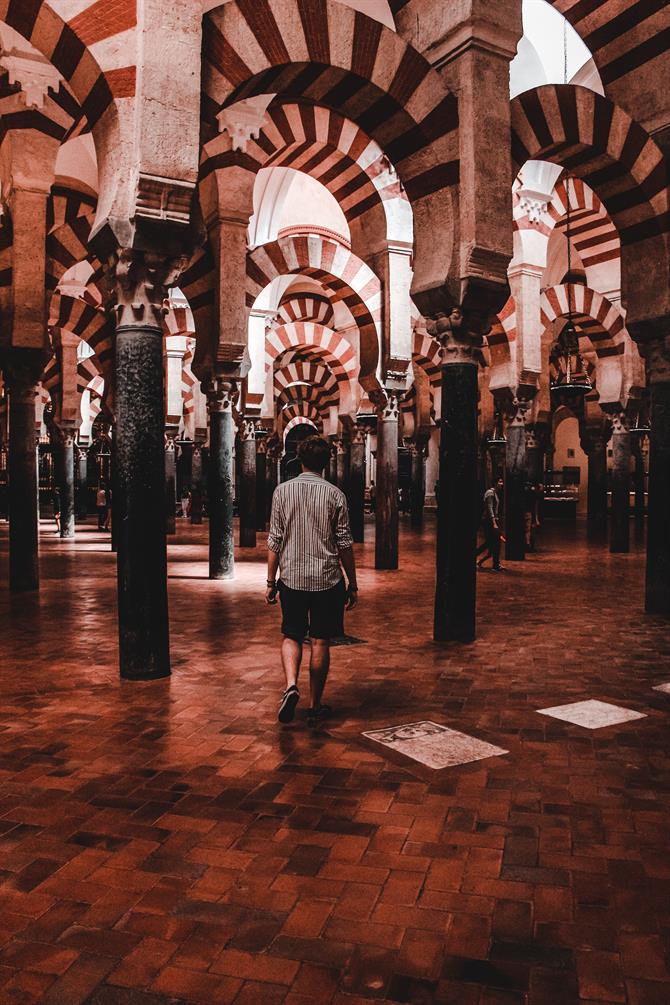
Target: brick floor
(169, 842)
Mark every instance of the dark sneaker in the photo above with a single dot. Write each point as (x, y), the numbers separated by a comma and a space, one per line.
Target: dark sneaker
(316, 715)
(290, 699)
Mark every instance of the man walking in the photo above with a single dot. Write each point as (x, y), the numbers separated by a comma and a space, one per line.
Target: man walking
(491, 517)
(309, 544)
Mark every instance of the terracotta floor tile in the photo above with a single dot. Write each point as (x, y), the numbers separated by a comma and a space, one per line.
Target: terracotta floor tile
(168, 841)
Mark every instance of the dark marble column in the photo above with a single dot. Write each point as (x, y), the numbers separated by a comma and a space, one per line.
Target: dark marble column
(139, 484)
(639, 480)
(342, 465)
(621, 457)
(271, 477)
(66, 484)
(458, 511)
(170, 480)
(357, 483)
(536, 440)
(247, 484)
(22, 471)
(594, 444)
(221, 395)
(196, 484)
(418, 484)
(261, 466)
(657, 599)
(515, 484)
(331, 471)
(82, 483)
(386, 515)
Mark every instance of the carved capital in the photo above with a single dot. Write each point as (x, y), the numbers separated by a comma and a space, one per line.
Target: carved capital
(388, 412)
(459, 344)
(142, 282)
(516, 413)
(221, 394)
(247, 430)
(358, 434)
(620, 423)
(656, 355)
(22, 370)
(261, 444)
(170, 441)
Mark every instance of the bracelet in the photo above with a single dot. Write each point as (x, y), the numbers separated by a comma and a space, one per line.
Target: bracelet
(271, 582)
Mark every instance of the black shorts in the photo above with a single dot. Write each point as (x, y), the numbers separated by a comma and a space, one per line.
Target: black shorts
(317, 613)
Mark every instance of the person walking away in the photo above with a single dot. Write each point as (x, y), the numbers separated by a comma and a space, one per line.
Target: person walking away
(491, 519)
(101, 505)
(55, 501)
(309, 545)
(373, 497)
(108, 508)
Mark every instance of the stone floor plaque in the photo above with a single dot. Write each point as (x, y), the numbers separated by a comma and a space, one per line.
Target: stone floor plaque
(592, 714)
(434, 745)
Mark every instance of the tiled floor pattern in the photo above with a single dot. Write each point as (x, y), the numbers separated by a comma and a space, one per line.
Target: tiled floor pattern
(168, 842)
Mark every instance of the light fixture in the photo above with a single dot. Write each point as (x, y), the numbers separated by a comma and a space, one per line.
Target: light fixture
(641, 428)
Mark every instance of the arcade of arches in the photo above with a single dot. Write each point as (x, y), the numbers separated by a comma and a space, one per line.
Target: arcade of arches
(439, 236)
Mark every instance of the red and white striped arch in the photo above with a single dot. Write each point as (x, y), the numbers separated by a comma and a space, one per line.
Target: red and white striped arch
(348, 278)
(332, 149)
(91, 324)
(304, 49)
(86, 41)
(594, 316)
(299, 371)
(301, 420)
(291, 414)
(305, 307)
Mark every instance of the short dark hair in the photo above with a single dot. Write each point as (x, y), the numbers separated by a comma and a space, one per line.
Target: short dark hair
(314, 453)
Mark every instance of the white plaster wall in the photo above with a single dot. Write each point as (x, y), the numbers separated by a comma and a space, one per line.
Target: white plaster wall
(567, 438)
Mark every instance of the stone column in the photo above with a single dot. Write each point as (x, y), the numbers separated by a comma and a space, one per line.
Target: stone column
(22, 372)
(620, 517)
(515, 483)
(66, 484)
(535, 451)
(357, 483)
(271, 477)
(417, 485)
(342, 465)
(170, 480)
(247, 484)
(196, 484)
(142, 281)
(261, 465)
(82, 483)
(331, 473)
(657, 596)
(594, 444)
(386, 515)
(221, 394)
(639, 480)
(458, 508)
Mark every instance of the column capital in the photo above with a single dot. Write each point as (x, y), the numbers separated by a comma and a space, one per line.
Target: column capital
(141, 283)
(358, 434)
(595, 437)
(389, 410)
(656, 355)
(247, 429)
(620, 423)
(516, 412)
(221, 393)
(457, 336)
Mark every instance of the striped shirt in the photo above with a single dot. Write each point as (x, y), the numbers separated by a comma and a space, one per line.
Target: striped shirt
(309, 527)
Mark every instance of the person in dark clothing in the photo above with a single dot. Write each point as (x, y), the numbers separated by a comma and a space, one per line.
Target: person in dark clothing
(55, 501)
(491, 521)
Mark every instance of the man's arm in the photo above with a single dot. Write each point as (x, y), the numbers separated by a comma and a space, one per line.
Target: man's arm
(491, 510)
(349, 565)
(275, 539)
(346, 552)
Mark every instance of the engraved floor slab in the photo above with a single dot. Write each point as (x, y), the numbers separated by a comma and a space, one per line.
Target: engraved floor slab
(665, 688)
(434, 745)
(592, 714)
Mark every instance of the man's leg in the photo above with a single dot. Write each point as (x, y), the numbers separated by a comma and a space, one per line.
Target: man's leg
(291, 656)
(494, 547)
(318, 671)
